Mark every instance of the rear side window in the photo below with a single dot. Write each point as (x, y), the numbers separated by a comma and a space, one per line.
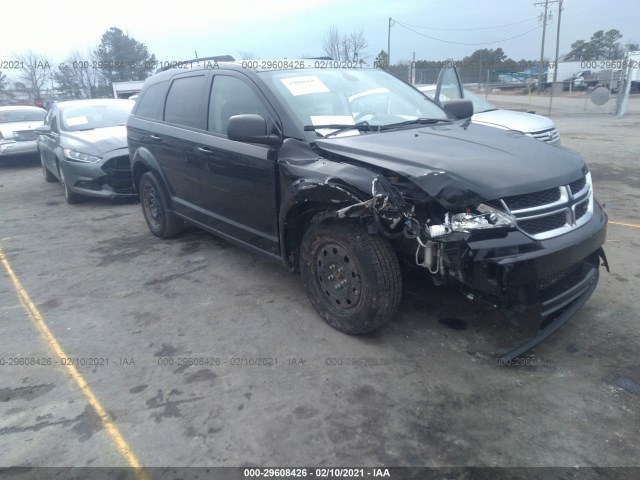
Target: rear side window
(152, 102)
(184, 102)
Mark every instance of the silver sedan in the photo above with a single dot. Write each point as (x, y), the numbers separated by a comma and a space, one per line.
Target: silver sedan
(17, 135)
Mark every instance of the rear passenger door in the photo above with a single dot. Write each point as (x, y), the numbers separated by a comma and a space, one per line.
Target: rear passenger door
(239, 178)
(175, 141)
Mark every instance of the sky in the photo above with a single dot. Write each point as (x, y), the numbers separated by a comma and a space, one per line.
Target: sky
(177, 30)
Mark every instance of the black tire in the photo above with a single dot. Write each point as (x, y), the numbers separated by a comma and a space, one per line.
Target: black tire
(48, 176)
(69, 196)
(161, 220)
(352, 278)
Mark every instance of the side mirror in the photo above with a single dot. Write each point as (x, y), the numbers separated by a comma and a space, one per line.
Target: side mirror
(43, 129)
(250, 128)
(459, 108)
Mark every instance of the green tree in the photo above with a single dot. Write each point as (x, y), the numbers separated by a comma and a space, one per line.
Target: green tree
(602, 46)
(122, 58)
(382, 60)
(631, 47)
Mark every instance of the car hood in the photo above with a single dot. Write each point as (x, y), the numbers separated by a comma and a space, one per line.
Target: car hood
(521, 121)
(97, 141)
(7, 129)
(462, 163)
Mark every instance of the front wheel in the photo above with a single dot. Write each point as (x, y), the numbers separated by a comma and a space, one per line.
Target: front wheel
(70, 196)
(161, 220)
(352, 278)
(48, 176)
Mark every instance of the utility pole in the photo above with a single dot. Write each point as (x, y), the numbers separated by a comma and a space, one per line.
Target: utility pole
(544, 31)
(389, 44)
(555, 71)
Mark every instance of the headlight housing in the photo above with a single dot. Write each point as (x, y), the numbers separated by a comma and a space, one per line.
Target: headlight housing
(79, 156)
(487, 217)
(482, 217)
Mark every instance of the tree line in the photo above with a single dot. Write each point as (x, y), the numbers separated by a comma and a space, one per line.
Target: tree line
(83, 74)
(119, 57)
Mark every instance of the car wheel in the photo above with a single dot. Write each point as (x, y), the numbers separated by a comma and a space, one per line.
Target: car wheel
(162, 222)
(352, 278)
(70, 197)
(48, 176)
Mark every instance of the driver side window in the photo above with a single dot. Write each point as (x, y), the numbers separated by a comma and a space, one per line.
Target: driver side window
(231, 96)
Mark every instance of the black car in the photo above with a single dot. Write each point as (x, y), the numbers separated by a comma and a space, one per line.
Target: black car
(83, 143)
(344, 174)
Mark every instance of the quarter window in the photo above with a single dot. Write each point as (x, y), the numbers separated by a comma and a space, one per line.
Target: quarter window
(151, 103)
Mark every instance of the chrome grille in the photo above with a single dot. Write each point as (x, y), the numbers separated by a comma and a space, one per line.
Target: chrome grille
(550, 135)
(552, 212)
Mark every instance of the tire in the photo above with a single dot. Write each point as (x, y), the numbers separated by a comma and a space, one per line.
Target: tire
(352, 278)
(69, 196)
(161, 221)
(48, 176)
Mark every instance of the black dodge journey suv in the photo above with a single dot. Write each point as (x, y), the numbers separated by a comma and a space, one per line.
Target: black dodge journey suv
(344, 174)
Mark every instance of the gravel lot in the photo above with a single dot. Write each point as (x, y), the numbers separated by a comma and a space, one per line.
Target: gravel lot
(425, 390)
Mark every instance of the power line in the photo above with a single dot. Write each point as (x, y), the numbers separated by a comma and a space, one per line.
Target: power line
(464, 43)
(473, 28)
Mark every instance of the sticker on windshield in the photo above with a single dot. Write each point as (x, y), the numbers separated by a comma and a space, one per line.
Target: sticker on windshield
(304, 85)
(74, 121)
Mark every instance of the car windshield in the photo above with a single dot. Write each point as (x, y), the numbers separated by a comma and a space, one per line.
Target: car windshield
(22, 115)
(345, 97)
(88, 117)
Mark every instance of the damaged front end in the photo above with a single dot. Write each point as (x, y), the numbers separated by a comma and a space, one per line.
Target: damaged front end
(539, 250)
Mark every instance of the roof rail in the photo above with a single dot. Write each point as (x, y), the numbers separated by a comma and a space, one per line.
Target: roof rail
(217, 58)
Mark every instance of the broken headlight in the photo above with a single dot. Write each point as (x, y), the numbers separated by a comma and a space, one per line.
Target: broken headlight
(481, 217)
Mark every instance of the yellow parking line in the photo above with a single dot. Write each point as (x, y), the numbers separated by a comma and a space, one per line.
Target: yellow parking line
(109, 425)
(632, 225)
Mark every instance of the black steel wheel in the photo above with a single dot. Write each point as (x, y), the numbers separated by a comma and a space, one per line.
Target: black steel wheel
(161, 220)
(352, 278)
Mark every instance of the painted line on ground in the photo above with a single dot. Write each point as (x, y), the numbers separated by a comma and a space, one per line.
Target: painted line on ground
(114, 433)
(632, 225)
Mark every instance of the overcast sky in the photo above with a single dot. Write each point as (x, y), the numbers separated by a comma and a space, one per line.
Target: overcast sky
(286, 28)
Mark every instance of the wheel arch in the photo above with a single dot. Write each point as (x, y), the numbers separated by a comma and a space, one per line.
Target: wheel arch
(303, 208)
(143, 161)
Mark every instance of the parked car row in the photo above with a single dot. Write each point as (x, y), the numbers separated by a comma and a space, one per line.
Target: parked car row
(345, 175)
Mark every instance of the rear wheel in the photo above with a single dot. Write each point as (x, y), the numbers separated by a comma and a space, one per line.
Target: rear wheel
(70, 197)
(352, 278)
(162, 222)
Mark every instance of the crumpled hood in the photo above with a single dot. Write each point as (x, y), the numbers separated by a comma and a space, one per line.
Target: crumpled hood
(462, 163)
(521, 121)
(7, 129)
(97, 141)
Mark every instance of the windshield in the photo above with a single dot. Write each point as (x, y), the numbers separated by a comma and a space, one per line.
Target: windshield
(22, 115)
(345, 97)
(88, 117)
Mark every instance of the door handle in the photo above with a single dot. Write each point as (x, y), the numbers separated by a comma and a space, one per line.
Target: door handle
(156, 137)
(205, 150)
